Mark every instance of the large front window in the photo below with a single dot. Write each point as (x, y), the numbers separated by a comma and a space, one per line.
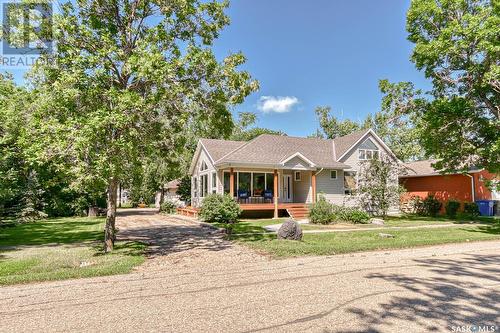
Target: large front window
(203, 185)
(244, 179)
(259, 184)
(256, 183)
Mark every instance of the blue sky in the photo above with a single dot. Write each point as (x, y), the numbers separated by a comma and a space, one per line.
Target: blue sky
(318, 52)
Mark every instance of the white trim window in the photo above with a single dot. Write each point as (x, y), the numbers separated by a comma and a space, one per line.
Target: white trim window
(297, 176)
(203, 185)
(214, 182)
(368, 154)
(195, 187)
(333, 174)
(203, 166)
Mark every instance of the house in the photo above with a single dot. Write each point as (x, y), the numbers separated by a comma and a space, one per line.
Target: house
(169, 192)
(282, 173)
(422, 179)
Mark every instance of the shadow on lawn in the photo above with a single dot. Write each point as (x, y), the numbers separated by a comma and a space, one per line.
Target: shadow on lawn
(58, 231)
(442, 298)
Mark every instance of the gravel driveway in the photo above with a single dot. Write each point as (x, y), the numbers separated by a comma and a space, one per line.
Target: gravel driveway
(197, 282)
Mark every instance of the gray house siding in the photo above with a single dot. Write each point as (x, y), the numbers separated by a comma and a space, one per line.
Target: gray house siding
(302, 191)
(352, 159)
(297, 163)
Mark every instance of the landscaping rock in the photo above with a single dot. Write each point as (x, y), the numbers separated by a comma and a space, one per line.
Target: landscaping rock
(290, 230)
(377, 221)
(386, 235)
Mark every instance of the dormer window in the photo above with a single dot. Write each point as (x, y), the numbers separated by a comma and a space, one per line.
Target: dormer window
(203, 166)
(368, 154)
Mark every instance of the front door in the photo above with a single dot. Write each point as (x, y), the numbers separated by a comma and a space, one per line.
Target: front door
(287, 188)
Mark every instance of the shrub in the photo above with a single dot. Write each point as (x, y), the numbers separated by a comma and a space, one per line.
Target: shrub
(471, 209)
(220, 209)
(417, 205)
(354, 215)
(324, 212)
(451, 208)
(321, 212)
(168, 207)
(431, 205)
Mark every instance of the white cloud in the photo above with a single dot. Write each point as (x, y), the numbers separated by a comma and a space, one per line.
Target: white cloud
(277, 104)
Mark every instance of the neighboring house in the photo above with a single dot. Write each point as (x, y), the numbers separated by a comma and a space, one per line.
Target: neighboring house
(422, 179)
(170, 192)
(273, 172)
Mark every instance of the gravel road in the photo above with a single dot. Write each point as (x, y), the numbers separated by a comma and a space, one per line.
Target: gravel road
(195, 281)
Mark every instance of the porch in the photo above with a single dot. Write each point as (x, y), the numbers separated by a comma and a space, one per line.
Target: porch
(272, 190)
(294, 210)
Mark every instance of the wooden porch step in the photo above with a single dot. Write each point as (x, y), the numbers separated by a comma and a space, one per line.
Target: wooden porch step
(298, 211)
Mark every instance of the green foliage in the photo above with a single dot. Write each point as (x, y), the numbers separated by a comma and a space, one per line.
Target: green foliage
(353, 215)
(453, 128)
(396, 129)
(471, 209)
(331, 126)
(429, 206)
(378, 187)
(321, 212)
(324, 212)
(222, 209)
(168, 207)
(451, 207)
(32, 186)
(120, 89)
(184, 189)
(456, 45)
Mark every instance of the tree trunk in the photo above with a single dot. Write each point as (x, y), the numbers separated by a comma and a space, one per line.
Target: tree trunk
(162, 194)
(93, 211)
(109, 232)
(120, 197)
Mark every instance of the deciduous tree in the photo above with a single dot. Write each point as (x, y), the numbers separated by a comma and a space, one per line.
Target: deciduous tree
(126, 79)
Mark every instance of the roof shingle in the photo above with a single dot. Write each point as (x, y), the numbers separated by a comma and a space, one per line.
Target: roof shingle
(343, 143)
(270, 149)
(219, 148)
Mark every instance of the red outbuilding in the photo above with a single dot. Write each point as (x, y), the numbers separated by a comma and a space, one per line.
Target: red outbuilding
(421, 179)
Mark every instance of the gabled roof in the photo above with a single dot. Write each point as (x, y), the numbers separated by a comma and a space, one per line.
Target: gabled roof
(275, 150)
(343, 143)
(219, 148)
(268, 149)
(425, 168)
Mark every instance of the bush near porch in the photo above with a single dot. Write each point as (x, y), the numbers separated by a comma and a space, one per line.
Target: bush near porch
(217, 208)
(324, 212)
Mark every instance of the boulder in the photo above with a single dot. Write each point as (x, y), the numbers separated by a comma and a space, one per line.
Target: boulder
(377, 221)
(290, 230)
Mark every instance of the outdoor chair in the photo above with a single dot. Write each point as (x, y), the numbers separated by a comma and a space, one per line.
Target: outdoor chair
(268, 195)
(243, 196)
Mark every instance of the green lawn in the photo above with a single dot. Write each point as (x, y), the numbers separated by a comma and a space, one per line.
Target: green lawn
(63, 248)
(367, 240)
(252, 226)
